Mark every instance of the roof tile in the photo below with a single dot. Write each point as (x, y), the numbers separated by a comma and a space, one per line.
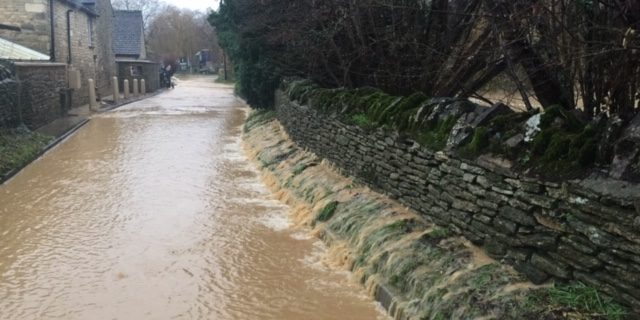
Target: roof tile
(127, 29)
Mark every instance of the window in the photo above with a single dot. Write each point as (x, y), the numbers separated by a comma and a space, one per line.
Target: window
(90, 33)
(136, 71)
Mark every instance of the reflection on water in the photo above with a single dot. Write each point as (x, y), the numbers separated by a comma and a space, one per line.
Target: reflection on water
(153, 212)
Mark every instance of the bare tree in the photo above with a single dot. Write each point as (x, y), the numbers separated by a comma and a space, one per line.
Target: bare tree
(182, 33)
(576, 54)
(150, 8)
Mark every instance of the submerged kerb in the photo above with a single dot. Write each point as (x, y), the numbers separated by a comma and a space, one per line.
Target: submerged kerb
(415, 269)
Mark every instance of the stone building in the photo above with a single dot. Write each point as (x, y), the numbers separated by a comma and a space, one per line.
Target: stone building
(128, 37)
(106, 62)
(130, 51)
(34, 20)
(33, 90)
(66, 30)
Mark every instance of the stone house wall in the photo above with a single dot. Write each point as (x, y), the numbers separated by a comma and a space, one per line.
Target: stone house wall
(32, 16)
(106, 58)
(33, 94)
(84, 56)
(585, 230)
(42, 85)
(91, 38)
(145, 70)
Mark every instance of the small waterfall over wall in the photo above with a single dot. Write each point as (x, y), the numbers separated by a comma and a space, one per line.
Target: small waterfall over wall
(414, 268)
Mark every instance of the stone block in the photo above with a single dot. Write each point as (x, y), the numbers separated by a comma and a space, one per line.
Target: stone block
(488, 204)
(532, 273)
(576, 259)
(482, 218)
(482, 229)
(464, 205)
(520, 205)
(505, 226)
(495, 248)
(473, 169)
(496, 197)
(475, 238)
(496, 165)
(579, 243)
(483, 181)
(543, 241)
(551, 266)
(537, 200)
(477, 191)
(489, 212)
(518, 255)
(518, 216)
(595, 235)
(35, 7)
(468, 178)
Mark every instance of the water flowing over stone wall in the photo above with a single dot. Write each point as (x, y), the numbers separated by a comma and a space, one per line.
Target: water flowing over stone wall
(584, 230)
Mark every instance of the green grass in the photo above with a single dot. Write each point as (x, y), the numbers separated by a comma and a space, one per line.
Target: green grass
(362, 121)
(483, 276)
(478, 144)
(327, 212)
(258, 118)
(436, 138)
(299, 168)
(439, 232)
(586, 299)
(18, 148)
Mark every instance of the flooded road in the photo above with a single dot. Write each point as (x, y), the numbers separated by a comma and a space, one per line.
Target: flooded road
(154, 212)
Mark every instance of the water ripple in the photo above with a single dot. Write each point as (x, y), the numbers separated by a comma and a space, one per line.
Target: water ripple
(153, 212)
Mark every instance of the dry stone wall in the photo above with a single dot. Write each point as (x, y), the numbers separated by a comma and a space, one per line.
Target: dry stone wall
(587, 230)
(41, 85)
(30, 93)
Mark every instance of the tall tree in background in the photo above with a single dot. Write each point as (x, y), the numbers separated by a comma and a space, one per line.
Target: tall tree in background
(181, 33)
(150, 8)
(559, 52)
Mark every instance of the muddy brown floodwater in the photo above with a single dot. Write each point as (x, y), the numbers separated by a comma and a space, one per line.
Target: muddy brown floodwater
(154, 212)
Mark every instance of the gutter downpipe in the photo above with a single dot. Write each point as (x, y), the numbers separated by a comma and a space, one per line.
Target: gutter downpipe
(52, 50)
(69, 60)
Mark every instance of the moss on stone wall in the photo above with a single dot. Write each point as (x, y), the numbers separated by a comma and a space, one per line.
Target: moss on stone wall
(435, 136)
(565, 146)
(479, 143)
(371, 108)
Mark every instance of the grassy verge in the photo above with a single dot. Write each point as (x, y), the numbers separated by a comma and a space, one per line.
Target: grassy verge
(18, 148)
(258, 118)
(575, 301)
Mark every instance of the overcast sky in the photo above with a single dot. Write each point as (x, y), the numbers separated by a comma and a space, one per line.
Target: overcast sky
(201, 5)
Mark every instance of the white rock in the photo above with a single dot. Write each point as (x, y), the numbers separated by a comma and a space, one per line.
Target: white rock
(532, 127)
